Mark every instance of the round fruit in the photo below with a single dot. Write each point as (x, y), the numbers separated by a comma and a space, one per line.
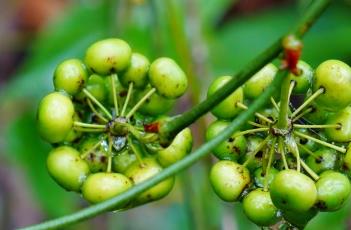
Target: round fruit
(258, 207)
(138, 173)
(95, 86)
(300, 219)
(70, 76)
(260, 177)
(168, 78)
(229, 179)
(178, 149)
(228, 108)
(102, 186)
(333, 190)
(55, 117)
(255, 86)
(66, 167)
(335, 77)
(108, 56)
(122, 161)
(136, 72)
(303, 81)
(346, 166)
(155, 104)
(232, 148)
(323, 159)
(343, 133)
(293, 191)
(73, 135)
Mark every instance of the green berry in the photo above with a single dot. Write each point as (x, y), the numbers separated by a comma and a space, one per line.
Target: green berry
(70, 76)
(346, 165)
(333, 190)
(252, 144)
(229, 179)
(168, 78)
(73, 135)
(138, 173)
(55, 117)
(136, 72)
(108, 56)
(232, 148)
(255, 86)
(307, 143)
(95, 86)
(318, 115)
(96, 158)
(122, 161)
(260, 177)
(258, 207)
(228, 108)
(335, 77)
(177, 150)
(323, 159)
(300, 219)
(67, 168)
(293, 191)
(343, 133)
(303, 81)
(102, 186)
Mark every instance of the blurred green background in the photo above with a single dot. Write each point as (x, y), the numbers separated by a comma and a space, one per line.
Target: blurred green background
(207, 38)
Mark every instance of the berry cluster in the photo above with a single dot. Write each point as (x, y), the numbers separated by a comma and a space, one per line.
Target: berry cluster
(102, 121)
(286, 164)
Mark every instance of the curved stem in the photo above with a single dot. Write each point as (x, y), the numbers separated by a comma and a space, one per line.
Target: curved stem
(130, 90)
(337, 148)
(259, 115)
(308, 110)
(140, 102)
(93, 99)
(169, 129)
(270, 159)
(113, 85)
(308, 101)
(317, 126)
(285, 93)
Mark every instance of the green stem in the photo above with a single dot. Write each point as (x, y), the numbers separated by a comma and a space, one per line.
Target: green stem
(140, 102)
(84, 155)
(282, 152)
(317, 126)
(259, 115)
(270, 159)
(136, 151)
(257, 124)
(302, 114)
(96, 112)
(337, 148)
(89, 130)
(250, 131)
(259, 147)
(91, 97)
(109, 162)
(309, 170)
(113, 85)
(170, 129)
(130, 90)
(308, 101)
(274, 103)
(285, 93)
(86, 125)
(307, 150)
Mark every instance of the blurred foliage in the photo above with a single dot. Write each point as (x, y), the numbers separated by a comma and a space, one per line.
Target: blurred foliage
(148, 28)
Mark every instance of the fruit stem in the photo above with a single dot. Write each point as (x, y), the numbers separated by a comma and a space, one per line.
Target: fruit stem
(309, 170)
(86, 125)
(257, 124)
(274, 103)
(89, 130)
(307, 150)
(109, 161)
(308, 110)
(140, 102)
(282, 152)
(91, 97)
(337, 148)
(84, 155)
(242, 106)
(130, 90)
(95, 111)
(270, 159)
(295, 151)
(285, 93)
(307, 102)
(136, 151)
(317, 126)
(259, 147)
(249, 131)
(115, 100)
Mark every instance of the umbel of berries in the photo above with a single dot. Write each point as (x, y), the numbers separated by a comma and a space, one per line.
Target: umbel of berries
(98, 120)
(287, 163)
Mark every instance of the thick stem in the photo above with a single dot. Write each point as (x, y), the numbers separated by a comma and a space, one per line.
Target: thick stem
(93, 99)
(285, 93)
(175, 125)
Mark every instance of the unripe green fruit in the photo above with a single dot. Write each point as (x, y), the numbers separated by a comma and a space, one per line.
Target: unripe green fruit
(136, 72)
(226, 109)
(346, 166)
(293, 191)
(252, 144)
(260, 177)
(97, 158)
(229, 179)
(177, 150)
(255, 86)
(258, 207)
(155, 104)
(303, 81)
(232, 148)
(55, 117)
(70, 76)
(95, 86)
(102, 186)
(140, 172)
(318, 115)
(122, 161)
(300, 219)
(73, 135)
(168, 78)
(342, 134)
(108, 56)
(323, 159)
(66, 167)
(335, 77)
(333, 190)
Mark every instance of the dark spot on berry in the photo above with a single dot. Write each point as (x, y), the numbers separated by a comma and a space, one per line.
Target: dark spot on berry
(303, 141)
(345, 167)
(236, 149)
(231, 139)
(263, 174)
(103, 159)
(319, 160)
(259, 154)
(123, 93)
(340, 126)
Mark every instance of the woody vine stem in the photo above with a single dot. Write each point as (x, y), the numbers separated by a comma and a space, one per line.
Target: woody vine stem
(170, 129)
